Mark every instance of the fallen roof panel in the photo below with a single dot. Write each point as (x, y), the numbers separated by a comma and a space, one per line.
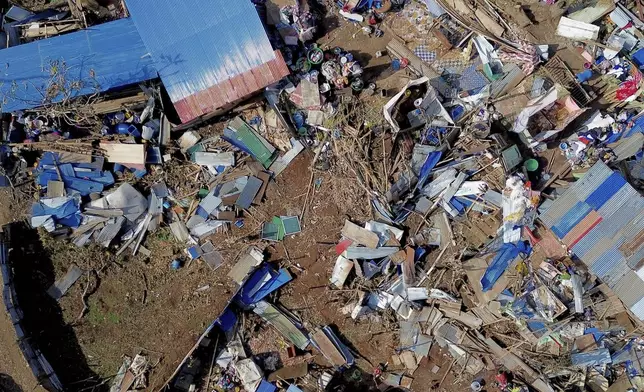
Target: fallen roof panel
(113, 52)
(611, 248)
(210, 53)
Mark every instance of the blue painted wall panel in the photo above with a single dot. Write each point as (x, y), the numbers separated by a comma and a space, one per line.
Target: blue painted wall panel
(114, 51)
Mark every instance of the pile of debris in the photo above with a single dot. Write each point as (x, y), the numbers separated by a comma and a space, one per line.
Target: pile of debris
(230, 364)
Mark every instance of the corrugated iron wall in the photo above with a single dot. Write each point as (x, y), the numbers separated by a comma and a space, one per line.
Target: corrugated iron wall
(601, 218)
(209, 53)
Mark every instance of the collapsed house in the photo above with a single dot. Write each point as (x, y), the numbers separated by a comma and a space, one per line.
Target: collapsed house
(204, 71)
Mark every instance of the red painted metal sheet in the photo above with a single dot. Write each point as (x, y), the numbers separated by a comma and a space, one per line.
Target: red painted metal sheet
(263, 74)
(232, 90)
(581, 229)
(239, 86)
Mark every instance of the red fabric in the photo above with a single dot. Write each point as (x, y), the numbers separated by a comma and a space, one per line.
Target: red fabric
(626, 89)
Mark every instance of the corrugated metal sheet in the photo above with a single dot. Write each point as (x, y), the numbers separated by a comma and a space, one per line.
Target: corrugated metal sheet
(113, 51)
(618, 269)
(600, 247)
(620, 219)
(636, 260)
(605, 191)
(571, 219)
(593, 178)
(605, 263)
(638, 309)
(209, 53)
(635, 226)
(587, 242)
(561, 206)
(617, 201)
(580, 230)
(630, 289)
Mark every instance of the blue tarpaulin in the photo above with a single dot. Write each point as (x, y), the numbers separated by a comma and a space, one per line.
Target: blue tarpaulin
(66, 212)
(502, 260)
(266, 386)
(591, 358)
(227, 319)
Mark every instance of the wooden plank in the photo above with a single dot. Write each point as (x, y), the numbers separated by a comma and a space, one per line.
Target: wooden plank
(133, 154)
(117, 104)
(467, 318)
(408, 269)
(327, 348)
(475, 269)
(60, 287)
(400, 50)
(265, 177)
(399, 257)
(55, 189)
(360, 235)
(289, 372)
(585, 343)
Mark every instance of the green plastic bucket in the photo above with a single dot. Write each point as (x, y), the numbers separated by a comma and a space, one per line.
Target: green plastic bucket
(531, 165)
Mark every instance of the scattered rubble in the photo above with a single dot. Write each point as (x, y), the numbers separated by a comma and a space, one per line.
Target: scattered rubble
(505, 243)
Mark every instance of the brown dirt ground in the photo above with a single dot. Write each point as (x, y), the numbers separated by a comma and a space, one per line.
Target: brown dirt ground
(142, 305)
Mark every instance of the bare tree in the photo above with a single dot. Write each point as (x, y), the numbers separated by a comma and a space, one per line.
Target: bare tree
(64, 95)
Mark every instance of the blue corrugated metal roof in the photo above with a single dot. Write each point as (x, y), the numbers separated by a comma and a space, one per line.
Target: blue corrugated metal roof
(595, 176)
(604, 192)
(197, 44)
(113, 51)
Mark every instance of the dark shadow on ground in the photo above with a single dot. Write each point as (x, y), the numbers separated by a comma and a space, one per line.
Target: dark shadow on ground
(8, 385)
(43, 318)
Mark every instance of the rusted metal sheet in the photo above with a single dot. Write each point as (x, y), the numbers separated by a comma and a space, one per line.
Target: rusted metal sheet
(232, 90)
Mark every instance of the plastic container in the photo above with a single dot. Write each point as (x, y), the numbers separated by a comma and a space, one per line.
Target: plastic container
(316, 56)
(584, 76)
(531, 165)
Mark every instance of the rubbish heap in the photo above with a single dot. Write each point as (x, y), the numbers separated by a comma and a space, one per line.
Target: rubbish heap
(232, 367)
(90, 195)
